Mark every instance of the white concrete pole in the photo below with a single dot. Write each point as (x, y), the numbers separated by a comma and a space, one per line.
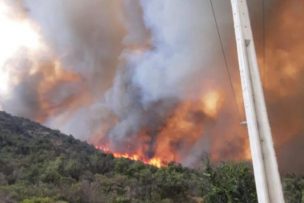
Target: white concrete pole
(267, 178)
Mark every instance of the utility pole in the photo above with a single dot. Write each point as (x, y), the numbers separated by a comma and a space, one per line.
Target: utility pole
(267, 178)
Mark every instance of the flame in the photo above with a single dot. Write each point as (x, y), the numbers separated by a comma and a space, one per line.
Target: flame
(187, 125)
(157, 162)
(182, 129)
(212, 102)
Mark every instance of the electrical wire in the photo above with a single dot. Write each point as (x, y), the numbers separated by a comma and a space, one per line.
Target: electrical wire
(264, 76)
(225, 58)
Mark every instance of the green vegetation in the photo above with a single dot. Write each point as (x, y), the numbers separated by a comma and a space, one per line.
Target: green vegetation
(39, 165)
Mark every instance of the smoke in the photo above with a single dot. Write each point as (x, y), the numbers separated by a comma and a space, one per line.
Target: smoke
(83, 44)
(153, 92)
(182, 45)
(148, 77)
(86, 35)
(284, 73)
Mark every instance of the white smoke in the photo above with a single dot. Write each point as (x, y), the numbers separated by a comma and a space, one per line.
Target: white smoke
(86, 35)
(146, 55)
(183, 41)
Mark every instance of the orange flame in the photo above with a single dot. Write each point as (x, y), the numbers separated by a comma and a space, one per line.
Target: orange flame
(135, 157)
(185, 127)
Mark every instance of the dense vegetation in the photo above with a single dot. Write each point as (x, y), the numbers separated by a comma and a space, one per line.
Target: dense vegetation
(42, 165)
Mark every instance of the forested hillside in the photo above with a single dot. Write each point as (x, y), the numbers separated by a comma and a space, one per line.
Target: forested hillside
(38, 164)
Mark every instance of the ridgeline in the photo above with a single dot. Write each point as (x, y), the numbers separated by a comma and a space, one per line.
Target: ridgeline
(40, 165)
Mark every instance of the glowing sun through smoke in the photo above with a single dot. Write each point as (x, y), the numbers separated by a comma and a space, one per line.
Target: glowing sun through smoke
(16, 34)
(25, 56)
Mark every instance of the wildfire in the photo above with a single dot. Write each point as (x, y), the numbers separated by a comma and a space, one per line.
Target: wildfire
(60, 91)
(135, 157)
(181, 131)
(212, 102)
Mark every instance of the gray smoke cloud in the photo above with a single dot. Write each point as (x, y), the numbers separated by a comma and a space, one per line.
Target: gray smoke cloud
(135, 60)
(130, 64)
(183, 38)
(86, 35)
(183, 41)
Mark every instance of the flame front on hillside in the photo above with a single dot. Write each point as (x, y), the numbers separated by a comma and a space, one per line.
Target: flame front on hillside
(135, 157)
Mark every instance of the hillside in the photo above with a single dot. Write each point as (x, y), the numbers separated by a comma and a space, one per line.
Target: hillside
(38, 164)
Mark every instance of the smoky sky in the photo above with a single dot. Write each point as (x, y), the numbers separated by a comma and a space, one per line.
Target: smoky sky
(127, 65)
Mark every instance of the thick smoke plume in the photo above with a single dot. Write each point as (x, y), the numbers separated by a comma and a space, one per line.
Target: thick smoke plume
(147, 77)
(283, 78)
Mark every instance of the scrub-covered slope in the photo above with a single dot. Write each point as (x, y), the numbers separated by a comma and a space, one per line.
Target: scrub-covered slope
(38, 164)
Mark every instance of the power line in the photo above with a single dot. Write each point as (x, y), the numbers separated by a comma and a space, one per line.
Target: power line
(264, 76)
(225, 58)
